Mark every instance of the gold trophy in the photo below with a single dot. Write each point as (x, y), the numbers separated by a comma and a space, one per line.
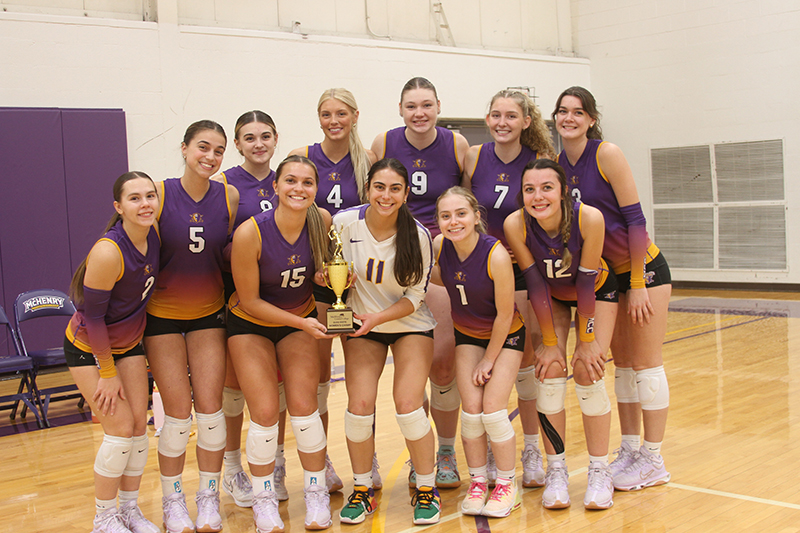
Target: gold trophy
(340, 317)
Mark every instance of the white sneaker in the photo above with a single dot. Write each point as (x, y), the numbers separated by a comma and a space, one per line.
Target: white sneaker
(280, 481)
(266, 515)
(556, 486)
(491, 466)
(318, 507)
(239, 488)
(377, 482)
(208, 517)
(134, 520)
(600, 488)
(332, 481)
(109, 521)
(176, 515)
(532, 469)
(646, 470)
(625, 456)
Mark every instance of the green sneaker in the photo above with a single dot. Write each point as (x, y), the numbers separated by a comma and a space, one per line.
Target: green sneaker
(426, 502)
(447, 476)
(359, 505)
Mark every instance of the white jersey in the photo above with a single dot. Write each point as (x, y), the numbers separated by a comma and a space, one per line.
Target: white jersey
(376, 288)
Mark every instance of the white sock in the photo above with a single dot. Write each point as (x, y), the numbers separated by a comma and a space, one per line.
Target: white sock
(653, 447)
(428, 480)
(444, 441)
(262, 483)
(101, 506)
(602, 459)
(479, 472)
(313, 478)
(128, 495)
(364, 480)
(171, 484)
(557, 457)
(209, 480)
(533, 440)
(632, 440)
(233, 463)
(505, 477)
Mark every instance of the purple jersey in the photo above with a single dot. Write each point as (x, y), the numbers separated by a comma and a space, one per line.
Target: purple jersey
(588, 184)
(337, 181)
(547, 253)
(193, 235)
(255, 196)
(470, 285)
(496, 185)
(125, 315)
(431, 171)
(286, 271)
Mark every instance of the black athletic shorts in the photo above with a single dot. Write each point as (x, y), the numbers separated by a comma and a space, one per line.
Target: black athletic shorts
(324, 295)
(77, 357)
(608, 292)
(656, 273)
(165, 326)
(514, 341)
(390, 338)
(239, 326)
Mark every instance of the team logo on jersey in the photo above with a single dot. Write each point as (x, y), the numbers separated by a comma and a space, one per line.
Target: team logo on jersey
(418, 163)
(294, 259)
(574, 180)
(460, 276)
(554, 251)
(505, 178)
(512, 341)
(649, 277)
(148, 269)
(196, 218)
(334, 176)
(262, 193)
(610, 295)
(37, 303)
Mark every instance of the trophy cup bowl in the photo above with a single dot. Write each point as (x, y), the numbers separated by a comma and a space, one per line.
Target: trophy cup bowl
(340, 317)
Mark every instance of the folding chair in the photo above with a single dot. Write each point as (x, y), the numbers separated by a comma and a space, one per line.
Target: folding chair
(13, 366)
(38, 304)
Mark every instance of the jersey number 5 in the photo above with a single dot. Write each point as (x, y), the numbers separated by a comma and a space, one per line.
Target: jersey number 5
(198, 243)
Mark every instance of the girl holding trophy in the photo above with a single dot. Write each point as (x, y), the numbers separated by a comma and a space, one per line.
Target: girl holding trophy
(392, 257)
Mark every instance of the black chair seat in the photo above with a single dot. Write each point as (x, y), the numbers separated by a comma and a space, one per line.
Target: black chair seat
(15, 363)
(48, 357)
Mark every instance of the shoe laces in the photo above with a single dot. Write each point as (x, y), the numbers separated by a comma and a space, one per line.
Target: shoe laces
(207, 501)
(445, 461)
(265, 500)
(131, 513)
(530, 456)
(360, 498)
(556, 475)
(500, 491)
(477, 489)
(242, 482)
(423, 498)
(111, 522)
(316, 497)
(175, 504)
(598, 477)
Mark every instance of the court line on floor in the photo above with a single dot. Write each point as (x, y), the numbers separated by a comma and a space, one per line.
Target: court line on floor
(734, 495)
(717, 329)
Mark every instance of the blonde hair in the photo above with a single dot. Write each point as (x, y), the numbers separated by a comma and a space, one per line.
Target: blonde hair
(358, 155)
(457, 190)
(536, 136)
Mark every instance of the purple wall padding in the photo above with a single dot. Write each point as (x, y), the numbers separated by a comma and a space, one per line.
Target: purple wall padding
(57, 168)
(95, 155)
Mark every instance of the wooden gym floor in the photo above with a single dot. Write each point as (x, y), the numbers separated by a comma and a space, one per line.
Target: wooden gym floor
(732, 444)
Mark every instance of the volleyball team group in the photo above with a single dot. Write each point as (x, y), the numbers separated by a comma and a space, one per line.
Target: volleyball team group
(467, 262)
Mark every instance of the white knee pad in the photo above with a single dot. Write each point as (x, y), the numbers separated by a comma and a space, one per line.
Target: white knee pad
(445, 398)
(232, 402)
(309, 433)
(498, 426)
(358, 428)
(323, 389)
(414, 425)
(527, 384)
(552, 394)
(593, 398)
(138, 456)
(281, 397)
(211, 434)
(174, 436)
(625, 385)
(113, 455)
(653, 388)
(472, 425)
(262, 444)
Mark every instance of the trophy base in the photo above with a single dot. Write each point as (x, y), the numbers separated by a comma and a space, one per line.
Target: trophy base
(340, 321)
